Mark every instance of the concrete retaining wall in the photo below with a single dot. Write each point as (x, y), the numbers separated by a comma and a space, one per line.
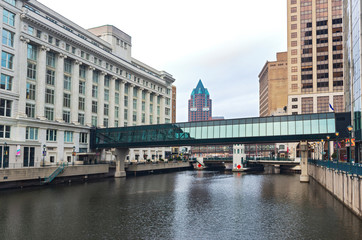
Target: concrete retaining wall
(24, 174)
(345, 187)
(159, 166)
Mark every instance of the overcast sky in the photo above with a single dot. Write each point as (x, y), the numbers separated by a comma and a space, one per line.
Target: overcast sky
(223, 43)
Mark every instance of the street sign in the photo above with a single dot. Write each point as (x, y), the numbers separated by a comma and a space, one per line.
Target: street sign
(348, 142)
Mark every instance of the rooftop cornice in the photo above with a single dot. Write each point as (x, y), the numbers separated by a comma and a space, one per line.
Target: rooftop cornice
(116, 61)
(62, 33)
(58, 17)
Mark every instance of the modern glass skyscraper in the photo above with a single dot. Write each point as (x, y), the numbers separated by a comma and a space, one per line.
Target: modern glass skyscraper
(352, 66)
(200, 104)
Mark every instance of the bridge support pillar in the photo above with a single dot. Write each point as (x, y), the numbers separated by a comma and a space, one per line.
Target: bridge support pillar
(120, 154)
(237, 163)
(199, 163)
(304, 177)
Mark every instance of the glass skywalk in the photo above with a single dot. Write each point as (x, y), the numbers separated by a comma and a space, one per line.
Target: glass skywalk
(291, 128)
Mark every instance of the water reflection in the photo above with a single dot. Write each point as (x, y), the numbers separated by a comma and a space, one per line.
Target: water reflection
(183, 205)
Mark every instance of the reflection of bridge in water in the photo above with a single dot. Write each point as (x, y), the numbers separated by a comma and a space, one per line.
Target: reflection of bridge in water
(275, 129)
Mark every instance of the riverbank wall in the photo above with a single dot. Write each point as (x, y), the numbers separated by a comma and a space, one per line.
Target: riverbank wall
(346, 187)
(24, 177)
(135, 169)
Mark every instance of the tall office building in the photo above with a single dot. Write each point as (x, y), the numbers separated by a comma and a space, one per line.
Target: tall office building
(273, 95)
(315, 56)
(352, 67)
(273, 101)
(58, 80)
(200, 104)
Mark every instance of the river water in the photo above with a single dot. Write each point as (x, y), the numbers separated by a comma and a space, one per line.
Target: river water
(182, 205)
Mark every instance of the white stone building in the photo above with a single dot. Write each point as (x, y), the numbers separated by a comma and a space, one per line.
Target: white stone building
(58, 80)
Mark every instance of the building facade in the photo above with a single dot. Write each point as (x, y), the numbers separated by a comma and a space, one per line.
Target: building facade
(352, 66)
(58, 80)
(273, 101)
(315, 56)
(273, 78)
(200, 104)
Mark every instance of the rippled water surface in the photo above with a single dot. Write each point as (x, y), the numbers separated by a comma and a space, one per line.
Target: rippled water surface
(182, 205)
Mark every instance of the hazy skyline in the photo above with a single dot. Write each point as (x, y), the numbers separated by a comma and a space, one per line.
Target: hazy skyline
(225, 45)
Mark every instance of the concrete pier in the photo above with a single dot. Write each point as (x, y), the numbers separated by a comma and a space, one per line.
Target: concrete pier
(120, 154)
(157, 167)
(19, 177)
(304, 177)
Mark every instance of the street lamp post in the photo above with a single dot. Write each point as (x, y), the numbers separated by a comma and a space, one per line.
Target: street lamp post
(322, 152)
(73, 153)
(350, 128)
(5, 154)
(313, 150)
(337, 134)
(317, 147)
(44, 153)
(329, 156)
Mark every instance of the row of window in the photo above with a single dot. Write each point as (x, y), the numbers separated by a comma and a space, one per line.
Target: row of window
(202, 130)
(49, 114)
(49, 98)
(51, 135)
(67, 84)
(6, 81)
(50, 75)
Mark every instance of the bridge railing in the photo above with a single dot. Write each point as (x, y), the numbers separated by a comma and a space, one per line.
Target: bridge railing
(269, 159)
(218, 159)
(351, 168)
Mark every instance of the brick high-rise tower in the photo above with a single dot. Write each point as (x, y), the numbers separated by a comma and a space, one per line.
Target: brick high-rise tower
(200, 104)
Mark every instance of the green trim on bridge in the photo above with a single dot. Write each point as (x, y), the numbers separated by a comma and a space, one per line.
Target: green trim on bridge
(292, 128)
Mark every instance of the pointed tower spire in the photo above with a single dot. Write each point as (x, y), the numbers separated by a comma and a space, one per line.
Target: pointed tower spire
(200, 89)
(200, 85)
(200, 104)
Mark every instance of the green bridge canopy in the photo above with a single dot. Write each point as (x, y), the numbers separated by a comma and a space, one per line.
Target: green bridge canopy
(291, 128)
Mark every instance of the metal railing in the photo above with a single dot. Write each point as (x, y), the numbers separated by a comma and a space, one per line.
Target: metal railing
(248, 159)
(54, 174)
(350, 168)
(218, 159)
(269, 159)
